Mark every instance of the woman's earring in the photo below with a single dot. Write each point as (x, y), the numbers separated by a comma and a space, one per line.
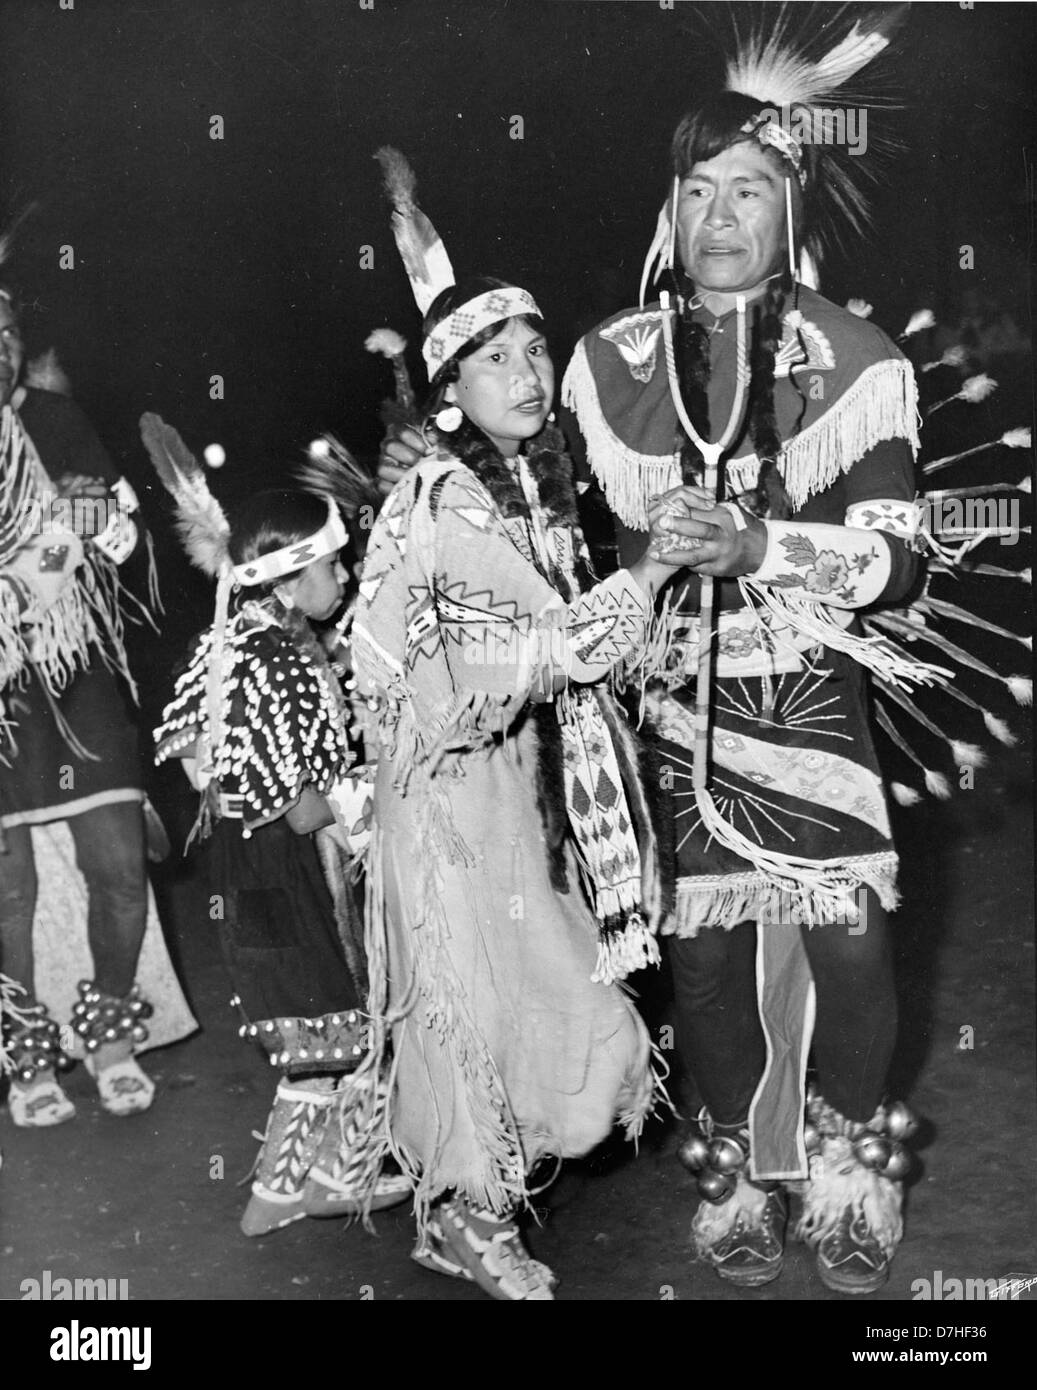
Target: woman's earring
(449, 419)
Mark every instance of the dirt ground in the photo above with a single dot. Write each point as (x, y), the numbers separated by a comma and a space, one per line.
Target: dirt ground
(141, 1199)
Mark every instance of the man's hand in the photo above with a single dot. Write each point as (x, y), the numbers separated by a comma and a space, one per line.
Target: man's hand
(86, 521)
(401, 449)
(708, 539)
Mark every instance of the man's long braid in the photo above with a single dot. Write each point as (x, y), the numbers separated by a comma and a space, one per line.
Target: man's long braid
(692, 357)
(770, 497)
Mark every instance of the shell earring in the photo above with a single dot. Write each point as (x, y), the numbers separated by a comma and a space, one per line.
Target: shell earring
(449, 419)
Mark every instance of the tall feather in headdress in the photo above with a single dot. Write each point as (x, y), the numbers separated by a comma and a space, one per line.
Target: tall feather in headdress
(200, 520)
(420, 245)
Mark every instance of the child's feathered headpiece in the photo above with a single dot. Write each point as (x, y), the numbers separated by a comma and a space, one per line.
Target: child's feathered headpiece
(331, 473)
(773, 65)
(200, 520)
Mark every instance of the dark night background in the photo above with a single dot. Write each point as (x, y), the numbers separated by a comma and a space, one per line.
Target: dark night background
(241, 256)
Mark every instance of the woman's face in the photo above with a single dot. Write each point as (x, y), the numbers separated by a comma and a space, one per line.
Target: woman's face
(506, 386)
(319, 590)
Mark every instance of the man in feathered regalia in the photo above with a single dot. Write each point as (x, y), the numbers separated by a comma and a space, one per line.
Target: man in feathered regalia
(784, 866)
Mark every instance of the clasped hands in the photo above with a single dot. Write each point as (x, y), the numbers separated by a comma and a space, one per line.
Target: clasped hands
(687, 530)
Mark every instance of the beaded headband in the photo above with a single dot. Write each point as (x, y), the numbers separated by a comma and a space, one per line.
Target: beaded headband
(768, 132)
(471, 318)
(331, 537)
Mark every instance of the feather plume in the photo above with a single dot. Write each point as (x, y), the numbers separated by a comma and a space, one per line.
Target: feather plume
(919, 321)
(1021, 688)
(331, 471)
(1017, 438)
(999, 729)
(952, 357)
(904, 795)
(967, 754)
(936, 783)
(200, 520)
(420, 245)
(386, 341)
(977, 388)
(777, 69)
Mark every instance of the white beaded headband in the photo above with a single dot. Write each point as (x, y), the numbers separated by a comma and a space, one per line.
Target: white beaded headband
(769, 132)
(331, 537)
(471, 318)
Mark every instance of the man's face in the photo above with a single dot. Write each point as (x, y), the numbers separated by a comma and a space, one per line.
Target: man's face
(12, 352)
(731, 220)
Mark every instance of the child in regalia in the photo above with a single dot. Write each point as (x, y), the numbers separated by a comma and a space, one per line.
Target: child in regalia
(259, 720)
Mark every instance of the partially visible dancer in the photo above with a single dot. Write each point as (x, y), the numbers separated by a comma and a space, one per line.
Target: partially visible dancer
(259, 721)
(505, 879)
(75, 903)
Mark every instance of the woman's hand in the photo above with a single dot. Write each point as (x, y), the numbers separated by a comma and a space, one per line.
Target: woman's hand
(401, 449)
(688, 530)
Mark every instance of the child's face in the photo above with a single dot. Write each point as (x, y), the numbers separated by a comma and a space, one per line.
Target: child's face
(506, 386)
(319, 590)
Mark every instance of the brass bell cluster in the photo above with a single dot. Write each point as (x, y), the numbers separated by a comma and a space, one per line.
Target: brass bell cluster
(33, 1043)
(716, 1160)
(101, 1018)
(880, 1144)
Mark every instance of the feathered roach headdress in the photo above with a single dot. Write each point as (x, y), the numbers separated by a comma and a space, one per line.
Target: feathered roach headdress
(430, 272)
(796, 69)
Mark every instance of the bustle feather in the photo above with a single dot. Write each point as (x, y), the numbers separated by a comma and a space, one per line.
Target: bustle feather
(200, 520)
(420, 245)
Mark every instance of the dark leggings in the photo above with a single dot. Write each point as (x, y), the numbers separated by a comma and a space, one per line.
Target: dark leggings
(719, 1031)
(112, 857)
